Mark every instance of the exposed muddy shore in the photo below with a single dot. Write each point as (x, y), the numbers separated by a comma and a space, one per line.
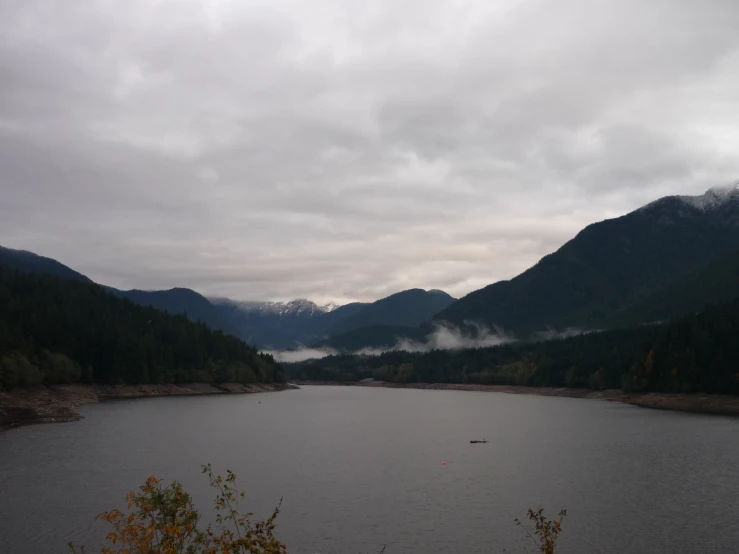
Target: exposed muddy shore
(59, 403)
(699, 403)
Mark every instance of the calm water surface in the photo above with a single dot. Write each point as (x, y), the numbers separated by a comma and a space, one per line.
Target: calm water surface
(360, 467)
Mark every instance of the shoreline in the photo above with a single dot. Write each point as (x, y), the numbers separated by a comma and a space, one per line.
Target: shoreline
(59, 403)
(716, 404)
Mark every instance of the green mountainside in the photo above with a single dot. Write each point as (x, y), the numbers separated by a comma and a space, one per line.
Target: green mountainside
(55, 330)
(711, 283)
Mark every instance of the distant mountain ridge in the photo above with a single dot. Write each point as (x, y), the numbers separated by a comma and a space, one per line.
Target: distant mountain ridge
(292, 307)
(276, 325)
(408, 308)
(298, 323)
(180, 301)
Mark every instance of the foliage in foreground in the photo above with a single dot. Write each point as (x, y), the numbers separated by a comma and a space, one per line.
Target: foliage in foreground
(546, 531)
(164, 520)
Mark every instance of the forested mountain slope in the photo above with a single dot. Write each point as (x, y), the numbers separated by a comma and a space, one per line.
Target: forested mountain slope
(60, 330)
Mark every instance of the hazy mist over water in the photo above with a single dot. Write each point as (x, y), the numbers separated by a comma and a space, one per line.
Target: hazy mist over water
(445, 336)
(359, 468)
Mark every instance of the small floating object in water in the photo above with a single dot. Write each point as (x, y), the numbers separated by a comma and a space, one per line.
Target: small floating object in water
(476, 442)
(443, 463)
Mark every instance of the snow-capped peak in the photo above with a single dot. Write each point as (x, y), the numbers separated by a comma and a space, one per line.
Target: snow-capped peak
(713, 197)
(299, 306)
(330, 307)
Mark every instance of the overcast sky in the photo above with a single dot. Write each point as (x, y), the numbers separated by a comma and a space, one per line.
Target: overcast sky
(346, 149)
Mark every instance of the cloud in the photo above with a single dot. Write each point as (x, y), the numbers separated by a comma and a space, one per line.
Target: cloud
(445, 336)
(449, 337)
(551, 333)
(301, 354)
(342, 150)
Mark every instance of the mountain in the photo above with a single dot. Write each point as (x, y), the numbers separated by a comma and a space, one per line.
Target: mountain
(59, 330)
(279, 325)
(374, 337)
(33, 263)
(408, 308)
(600, 277)
(712, 283)
(180, 301)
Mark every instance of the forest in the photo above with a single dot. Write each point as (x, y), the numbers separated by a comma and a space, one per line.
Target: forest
(695, 353)
(55, 330)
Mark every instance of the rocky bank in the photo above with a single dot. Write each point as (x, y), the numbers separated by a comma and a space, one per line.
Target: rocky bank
(59, 403)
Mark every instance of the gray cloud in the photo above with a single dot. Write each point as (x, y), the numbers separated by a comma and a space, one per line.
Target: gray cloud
(346, 150)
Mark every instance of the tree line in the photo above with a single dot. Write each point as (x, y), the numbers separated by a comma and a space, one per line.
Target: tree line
(696, 353)
(55, 330)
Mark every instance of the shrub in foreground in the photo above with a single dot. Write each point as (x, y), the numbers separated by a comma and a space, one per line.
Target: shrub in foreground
(163, 520)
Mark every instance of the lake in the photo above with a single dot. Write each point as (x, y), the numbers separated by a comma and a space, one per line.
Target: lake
(361, 467)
